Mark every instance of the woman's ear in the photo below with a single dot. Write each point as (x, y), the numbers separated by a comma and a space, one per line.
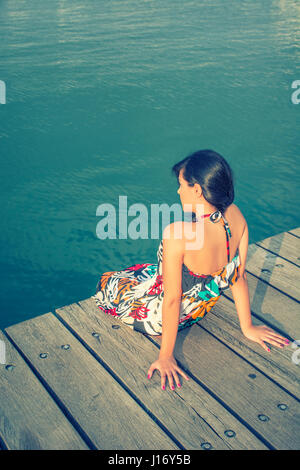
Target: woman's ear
(198, 189)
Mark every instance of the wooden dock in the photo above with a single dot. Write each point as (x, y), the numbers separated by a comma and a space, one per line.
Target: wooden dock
(76, 378)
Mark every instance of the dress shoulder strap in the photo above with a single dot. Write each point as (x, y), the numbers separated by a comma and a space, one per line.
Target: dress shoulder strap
(228, 235)
(215, 217)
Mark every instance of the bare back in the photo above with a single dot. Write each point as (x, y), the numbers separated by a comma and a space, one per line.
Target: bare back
(213, 254)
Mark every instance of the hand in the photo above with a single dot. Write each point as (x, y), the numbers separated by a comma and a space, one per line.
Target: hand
(167, 366)
(262, 333)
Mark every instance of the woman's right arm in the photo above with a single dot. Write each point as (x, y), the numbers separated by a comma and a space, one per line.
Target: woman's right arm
(240, 293)
(239, 289)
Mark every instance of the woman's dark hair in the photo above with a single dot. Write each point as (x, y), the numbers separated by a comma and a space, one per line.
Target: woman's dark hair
(212, 172)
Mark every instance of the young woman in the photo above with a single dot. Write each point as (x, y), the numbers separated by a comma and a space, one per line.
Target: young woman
(170, 295)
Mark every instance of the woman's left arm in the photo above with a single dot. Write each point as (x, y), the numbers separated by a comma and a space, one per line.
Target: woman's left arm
(172, 284)
(170, 321)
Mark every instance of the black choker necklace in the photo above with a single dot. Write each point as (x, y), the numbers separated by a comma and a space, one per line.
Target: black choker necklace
(213, 216)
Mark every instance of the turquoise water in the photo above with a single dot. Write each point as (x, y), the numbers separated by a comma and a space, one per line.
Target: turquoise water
(103, 97)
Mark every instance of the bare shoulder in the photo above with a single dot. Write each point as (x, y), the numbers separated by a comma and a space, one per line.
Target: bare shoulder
(235, 214)
(174, 231)
(174, 235)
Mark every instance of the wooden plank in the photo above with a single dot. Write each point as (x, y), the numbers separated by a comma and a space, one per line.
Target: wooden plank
(29, 418)
(284, 245)
(272, 306)
(193, 419)
(274, 270)
(108, 415)
(228, 377)
(222, 321)
(295, 231)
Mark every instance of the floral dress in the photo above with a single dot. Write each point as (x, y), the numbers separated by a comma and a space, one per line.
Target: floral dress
(135, 294)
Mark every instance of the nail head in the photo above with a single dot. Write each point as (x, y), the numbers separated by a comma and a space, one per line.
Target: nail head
(229, 433)
(206, 445)
(252, 376)
(282, 406)
(263, 417)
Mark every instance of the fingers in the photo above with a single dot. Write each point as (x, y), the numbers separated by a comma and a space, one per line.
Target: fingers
(183, 373)
(273, 333)
(163, 381)
(264, 345)
(151, 370)
(176, 378)
(278, 339)
(170, 373)
(271, 337)
(172, 381)
(274, 338)
(163, 375)
(278, 343)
